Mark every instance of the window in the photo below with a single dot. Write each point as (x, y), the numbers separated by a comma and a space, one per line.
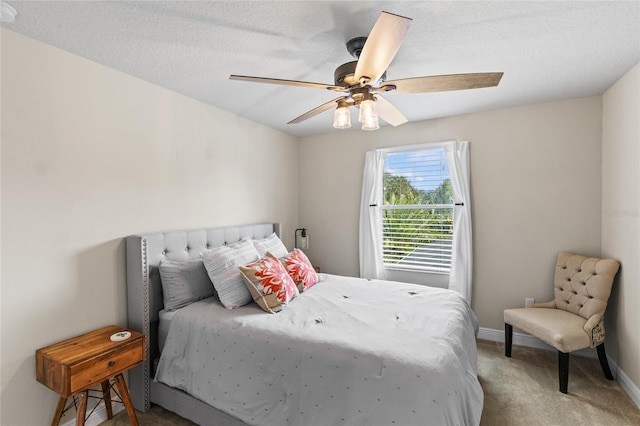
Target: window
(413, 225)
(417, 210)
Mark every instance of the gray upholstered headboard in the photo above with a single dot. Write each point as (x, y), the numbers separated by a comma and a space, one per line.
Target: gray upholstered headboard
(144, 290)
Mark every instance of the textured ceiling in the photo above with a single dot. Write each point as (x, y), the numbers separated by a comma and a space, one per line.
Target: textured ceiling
(547, 50)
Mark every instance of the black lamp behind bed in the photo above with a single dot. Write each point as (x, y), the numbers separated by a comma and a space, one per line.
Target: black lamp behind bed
(302, 236)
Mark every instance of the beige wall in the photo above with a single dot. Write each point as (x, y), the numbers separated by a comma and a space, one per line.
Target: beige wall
(621, 216)
(90, 155)
(535, 183)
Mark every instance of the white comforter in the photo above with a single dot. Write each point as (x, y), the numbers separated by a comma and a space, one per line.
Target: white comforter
(346, 352)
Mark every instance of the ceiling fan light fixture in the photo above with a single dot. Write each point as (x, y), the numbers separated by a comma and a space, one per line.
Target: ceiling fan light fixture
(368, 115)
(342, 116)
(371, 123)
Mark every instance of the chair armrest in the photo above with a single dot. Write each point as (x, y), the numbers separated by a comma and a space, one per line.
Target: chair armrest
(550, 305)
(594, 327)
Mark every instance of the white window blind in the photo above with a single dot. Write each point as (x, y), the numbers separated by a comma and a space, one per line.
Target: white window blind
(417, 212)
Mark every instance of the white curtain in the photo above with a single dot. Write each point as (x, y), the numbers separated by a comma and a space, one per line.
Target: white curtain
(370, 216)
(461, 262)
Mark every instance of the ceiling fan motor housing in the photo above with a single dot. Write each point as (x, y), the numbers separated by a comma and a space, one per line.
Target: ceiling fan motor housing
(344, 75)
(355, 45)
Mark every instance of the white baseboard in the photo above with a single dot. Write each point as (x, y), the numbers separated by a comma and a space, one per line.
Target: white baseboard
(530, 341)
(629, 387)
(524, 339)
(521, 339)
(98, 416)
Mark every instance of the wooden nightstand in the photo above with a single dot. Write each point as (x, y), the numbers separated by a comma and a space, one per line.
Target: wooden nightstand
(73, 366)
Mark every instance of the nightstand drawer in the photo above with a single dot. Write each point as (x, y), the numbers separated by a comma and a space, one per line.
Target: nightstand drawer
(106, 365)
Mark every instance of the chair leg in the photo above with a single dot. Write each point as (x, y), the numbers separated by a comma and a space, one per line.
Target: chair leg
(508, 339)
(602, 356)
(563, 370)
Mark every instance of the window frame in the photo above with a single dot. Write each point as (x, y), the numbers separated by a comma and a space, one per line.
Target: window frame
(408, 268)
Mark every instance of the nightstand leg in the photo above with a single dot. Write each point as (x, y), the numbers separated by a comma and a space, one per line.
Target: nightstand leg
(59, 409)
(106, 394)
(124, 393)
(82, 408)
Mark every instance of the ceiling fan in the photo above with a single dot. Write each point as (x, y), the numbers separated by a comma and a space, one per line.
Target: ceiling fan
(364, 80)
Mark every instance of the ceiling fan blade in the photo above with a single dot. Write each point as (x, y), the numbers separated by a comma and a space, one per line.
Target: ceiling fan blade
(317, 110)
(381, 46)
(443, 83)
(388, 112)
(287, 82)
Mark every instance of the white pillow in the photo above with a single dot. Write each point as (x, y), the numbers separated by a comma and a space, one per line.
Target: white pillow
(222, 264)
(271, 244)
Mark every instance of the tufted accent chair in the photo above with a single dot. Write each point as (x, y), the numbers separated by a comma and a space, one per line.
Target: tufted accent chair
(574, 320)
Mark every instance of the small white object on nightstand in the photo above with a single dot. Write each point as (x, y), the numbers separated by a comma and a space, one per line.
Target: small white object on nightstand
(118, 337)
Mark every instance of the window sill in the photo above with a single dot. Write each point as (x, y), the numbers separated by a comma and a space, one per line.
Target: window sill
(419, 270)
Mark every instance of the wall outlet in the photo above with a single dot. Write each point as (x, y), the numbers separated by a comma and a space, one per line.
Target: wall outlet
(528, 301)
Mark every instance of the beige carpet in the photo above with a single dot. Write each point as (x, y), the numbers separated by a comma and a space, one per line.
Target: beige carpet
(522, 390)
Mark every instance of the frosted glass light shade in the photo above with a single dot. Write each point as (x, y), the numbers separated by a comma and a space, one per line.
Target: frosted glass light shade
(342, 118)
(371, 123)
(368, 115)
(367, 109)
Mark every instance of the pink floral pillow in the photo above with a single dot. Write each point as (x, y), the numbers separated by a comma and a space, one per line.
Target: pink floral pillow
(269, 283)
(300, 269)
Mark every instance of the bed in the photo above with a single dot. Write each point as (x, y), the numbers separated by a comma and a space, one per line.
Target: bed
(336, 354)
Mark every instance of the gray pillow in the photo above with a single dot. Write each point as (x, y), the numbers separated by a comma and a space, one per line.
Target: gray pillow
(184, 283)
